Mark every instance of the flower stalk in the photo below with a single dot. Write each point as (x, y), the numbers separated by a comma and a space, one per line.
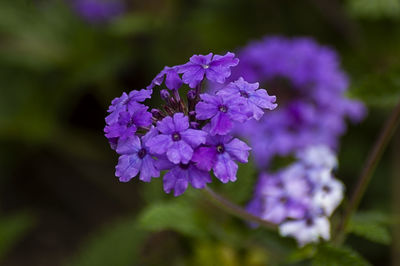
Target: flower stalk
(236, 210)
(367, 172)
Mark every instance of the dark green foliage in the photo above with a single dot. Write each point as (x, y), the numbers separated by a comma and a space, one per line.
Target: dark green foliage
(328, 255)
(372, 226)
(13, 229)
(117, 244)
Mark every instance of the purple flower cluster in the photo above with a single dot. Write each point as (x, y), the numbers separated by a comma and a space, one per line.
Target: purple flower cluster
(97, 11)
(301, 197)
(310, 85)
(187, 136)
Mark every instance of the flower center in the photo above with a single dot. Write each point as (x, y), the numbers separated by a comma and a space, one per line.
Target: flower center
(176, 136)
(283, 200)
(141, 153)
(309, 222)
(205, 66)
(244, 94)
(220, 148)
(130, 123)
(326, 189)
(223, 108)
(184, 166)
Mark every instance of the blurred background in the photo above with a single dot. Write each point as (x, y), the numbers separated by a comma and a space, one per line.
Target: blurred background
(63, 61)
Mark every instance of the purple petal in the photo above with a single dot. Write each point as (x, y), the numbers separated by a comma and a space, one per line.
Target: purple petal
(166, 126)
(181, 122)
(205, 158)
(159, 144)
(275, 211)
(163, 164)
(205, 110)
(201, 59)
(149, 135)
(227, 60)
(140, 96)
(225, 168)
(148, 169)
(157, 81)
(198, 178)
(128, 167)
(172, 79)
(192, 74)
(177, 180)
(263, 100)
(129, 145)
(220, 124)
(194, 137)
(179, 152)
(238, 150)
(142, 119)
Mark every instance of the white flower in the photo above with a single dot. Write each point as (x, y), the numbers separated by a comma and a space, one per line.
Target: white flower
(319, 156)
(328, 195)
(306, 230)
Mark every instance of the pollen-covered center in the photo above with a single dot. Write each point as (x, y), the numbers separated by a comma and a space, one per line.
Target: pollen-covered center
(141, 153)
(176, 136)
(223, 108)
(220, 148)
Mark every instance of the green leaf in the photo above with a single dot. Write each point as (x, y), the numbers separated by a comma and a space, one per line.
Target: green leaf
(178, 215)
(379, 89)
(372, 226)
(12, 229)
(374, 9)
(118, 245)
(328, 255)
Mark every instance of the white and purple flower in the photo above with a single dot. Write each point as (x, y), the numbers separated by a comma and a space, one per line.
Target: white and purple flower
(301, 197)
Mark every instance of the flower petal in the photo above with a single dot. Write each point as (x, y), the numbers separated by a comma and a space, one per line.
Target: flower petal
(128, 167)
(179, 152)
(225, 168)
(159, 144)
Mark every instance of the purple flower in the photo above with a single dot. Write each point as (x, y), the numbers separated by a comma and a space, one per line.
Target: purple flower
(135, 158)
(128, 122)
(96, 11)
(176, 140)
(222, 111)
(310, 87)
(220, 154)
(172, 79)
(215, 68)
(284, 196)
(257, 99)
(181, 175)
(126, 102)
(186, 136)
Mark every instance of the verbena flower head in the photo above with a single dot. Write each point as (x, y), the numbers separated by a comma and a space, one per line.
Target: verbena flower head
(190, 135)
(98, 11)
(300, 197)
(310, 86)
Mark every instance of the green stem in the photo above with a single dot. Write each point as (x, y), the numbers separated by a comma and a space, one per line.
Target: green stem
(236, 210)
(367, 172)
